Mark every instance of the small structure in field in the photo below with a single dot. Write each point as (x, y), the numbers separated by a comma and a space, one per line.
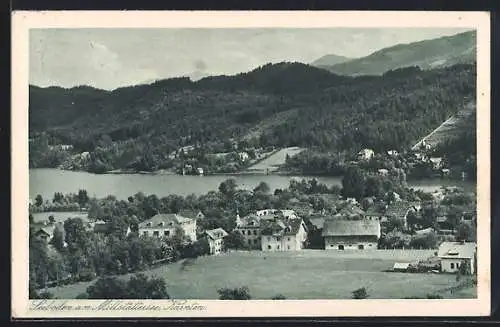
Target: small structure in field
(401, 266)
(455, 254)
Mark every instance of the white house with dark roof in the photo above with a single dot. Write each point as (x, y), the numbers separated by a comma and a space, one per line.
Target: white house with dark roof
(455, 254)
(215, 238)
(351, 234)
(165, 225)
(284, 235)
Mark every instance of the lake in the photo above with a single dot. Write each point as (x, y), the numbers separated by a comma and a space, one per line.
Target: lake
(48, 181)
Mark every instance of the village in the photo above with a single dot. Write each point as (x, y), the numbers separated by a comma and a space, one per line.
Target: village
(350, 226)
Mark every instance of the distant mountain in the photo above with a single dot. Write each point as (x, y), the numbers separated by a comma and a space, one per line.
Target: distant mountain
(329, 60)
(427, 54)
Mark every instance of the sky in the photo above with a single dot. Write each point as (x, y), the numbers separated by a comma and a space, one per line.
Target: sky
(112, 58)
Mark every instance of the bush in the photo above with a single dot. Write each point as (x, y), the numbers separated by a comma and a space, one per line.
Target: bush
(360, 293)
(279, 297)
(241, 293)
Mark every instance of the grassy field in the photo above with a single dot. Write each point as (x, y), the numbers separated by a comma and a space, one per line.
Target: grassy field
(297, 275)
(451, 128)
(273, 162)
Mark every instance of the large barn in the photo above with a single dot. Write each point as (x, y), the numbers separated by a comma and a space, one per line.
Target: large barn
(351, 234)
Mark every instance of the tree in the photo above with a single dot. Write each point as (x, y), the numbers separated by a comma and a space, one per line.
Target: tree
(360, 293)
(83, 198)
(240, 293)
(51, 219)
(233, 240)
(353, 183)
(38, 200)
(262, 188)
(228, 187)
(141, 287)
(58, 239)
(465, 232)
(108, 288)
(58, 197)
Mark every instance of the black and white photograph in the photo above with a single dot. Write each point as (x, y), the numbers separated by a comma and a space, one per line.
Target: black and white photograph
(197, 163)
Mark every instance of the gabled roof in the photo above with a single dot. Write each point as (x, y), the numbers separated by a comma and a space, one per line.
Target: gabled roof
(450, 250)
(164, 220)
(289, 227)
(350, 210)
(47, 230)
(398, 209)
(216, 234)
(190, 213)
(351, 228)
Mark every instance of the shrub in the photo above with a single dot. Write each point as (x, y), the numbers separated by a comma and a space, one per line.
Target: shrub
(241, 293)
(279, 297)
(360, 293)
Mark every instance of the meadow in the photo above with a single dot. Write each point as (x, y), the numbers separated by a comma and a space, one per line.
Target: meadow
(297, 275)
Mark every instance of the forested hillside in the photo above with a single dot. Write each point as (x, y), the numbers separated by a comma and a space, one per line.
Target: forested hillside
(427, 54)
(324, 110)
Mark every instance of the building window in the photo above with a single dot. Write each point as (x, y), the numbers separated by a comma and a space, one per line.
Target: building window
(255, 232)
(145, 233)
(278, 247)
(288, 246)
(452, 265)
(289, 238)
(249, 242)
(269, 247)
(256, 241)
(166, 233)
(156, 233)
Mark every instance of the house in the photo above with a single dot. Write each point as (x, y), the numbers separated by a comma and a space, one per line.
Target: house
(365, 154)
(318, 221)
(286, 213)
(342, 234)
(383, 172)
(400, 210)
(302, 209)
(436, 162)
(250, 227)
(215, 238)
(243, 156)
(45, 234)
(393, 153)
(374, 213)
(165, 225)
(192, 214)
(455, 254)
(284, 235)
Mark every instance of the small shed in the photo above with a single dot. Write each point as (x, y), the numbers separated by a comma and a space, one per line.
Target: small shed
(401, 266)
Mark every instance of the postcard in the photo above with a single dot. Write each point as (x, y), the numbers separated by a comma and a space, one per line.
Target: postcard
(250, 164)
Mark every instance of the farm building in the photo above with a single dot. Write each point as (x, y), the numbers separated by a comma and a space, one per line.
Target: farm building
(284, 235)
(455, 254)
(351, 234)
